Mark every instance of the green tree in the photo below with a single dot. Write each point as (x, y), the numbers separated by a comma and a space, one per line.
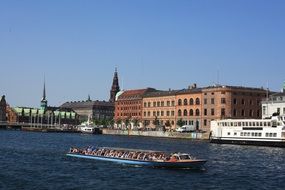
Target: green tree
(155, 122)
(180, 122)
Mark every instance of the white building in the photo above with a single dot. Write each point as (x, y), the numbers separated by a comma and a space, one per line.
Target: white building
(275, 103)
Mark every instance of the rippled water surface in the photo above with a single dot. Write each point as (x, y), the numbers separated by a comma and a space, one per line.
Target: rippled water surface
(37, 161)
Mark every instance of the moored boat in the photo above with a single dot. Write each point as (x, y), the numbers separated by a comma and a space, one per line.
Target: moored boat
(138, 157)
(260, 132)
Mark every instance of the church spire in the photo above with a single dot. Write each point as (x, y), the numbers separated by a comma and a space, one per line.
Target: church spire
(115, 87)
(44, 101)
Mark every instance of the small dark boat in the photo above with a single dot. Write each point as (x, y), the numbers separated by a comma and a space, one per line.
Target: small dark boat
(139, 157)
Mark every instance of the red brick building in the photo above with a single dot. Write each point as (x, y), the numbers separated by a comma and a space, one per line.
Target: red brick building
(128, 106)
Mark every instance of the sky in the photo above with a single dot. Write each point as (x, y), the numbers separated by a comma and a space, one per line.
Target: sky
(76, 46)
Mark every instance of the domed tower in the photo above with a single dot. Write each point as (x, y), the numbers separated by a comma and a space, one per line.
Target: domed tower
(115, 87)
(44, 101)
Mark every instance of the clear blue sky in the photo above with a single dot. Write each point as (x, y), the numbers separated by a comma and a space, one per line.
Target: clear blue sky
(154, 43)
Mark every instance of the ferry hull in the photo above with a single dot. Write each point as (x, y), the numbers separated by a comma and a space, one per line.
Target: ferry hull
(249, 142)
(193, 164)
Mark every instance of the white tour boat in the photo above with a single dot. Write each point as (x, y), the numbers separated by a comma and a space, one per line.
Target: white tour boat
(263, 132)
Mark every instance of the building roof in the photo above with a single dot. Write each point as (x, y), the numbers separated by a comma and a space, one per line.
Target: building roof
(234, 87)
(160, 93)
(135, 94)
(80, 104)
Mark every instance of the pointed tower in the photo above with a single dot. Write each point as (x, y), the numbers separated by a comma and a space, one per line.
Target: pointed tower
(44, 101)
(115, 87)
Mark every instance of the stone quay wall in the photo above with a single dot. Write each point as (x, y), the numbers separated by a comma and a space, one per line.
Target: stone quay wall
(192, 135)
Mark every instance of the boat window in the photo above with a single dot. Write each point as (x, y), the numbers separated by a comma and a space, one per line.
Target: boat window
(256, 134)
(249, 123)
(226, 124)
(257, 124)
(241, 134)
(261, 124)
(235, 124)
(248, 134)
(229, 133)
(259, 134)
(252, 134)
(264, 124)
(243, 123)
(246, 123)
(283, 134)
(269, 124)
(235, 134)
(274, 134)
(232, 124)
(239, 123)
(253, 123)
(184, 157)
(270, 134)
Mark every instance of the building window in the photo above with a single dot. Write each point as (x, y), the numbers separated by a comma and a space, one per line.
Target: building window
(173, 103)
(223, 112)
(250, 102)
(149, 104)
(223, 92)
(264, 110)
(223, 100)
(242, 102)
(283, 111)
(191, 101)
(235, 112)
(205, 111)
(179, 112)
(154, 113)
(144, 104)
(191, 112)
(157, 113)
(242, 113)
(205, 122)
(212, 101)
(154, 104)
(158, 104)
(197, 112)
(257, 113)
(162, 104)
(168, 103)
(167, 113)
(172, 113)
(212, 111)
(148, 113)
(250, 113)
(179, 102)
(278, 110)
(185, 102)
(235, 101)
(197, 101)
(185, 113)
(162, 113)
(144, 113)
(205, 101)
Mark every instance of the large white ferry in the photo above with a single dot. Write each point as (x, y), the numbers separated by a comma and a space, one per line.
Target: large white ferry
(263, 132)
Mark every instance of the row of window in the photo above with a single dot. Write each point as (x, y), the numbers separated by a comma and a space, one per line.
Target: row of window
(159, 104)
(159, 113)
(254, 134)
(243, 102)
(191, 102)
(129, 108)
(243, 113)
(245, 124)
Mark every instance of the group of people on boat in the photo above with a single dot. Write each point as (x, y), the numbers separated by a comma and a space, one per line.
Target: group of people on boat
(126, 154)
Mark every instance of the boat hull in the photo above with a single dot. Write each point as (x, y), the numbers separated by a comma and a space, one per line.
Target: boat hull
(193, 164)
(249, 142)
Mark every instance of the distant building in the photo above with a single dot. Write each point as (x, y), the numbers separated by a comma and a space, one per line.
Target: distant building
(43, 115)
(194, 106)
(129, 106)
(274, 103)
(3, 109)
(99, 110)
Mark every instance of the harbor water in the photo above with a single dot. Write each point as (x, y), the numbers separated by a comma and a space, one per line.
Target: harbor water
(31, 160)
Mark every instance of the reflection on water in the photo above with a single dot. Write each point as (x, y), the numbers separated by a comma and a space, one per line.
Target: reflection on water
(37, 161)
